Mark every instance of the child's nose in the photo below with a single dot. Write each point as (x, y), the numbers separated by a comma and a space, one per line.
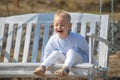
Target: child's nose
(59, 26)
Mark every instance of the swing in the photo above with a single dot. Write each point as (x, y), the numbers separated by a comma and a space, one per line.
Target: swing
(91, 26)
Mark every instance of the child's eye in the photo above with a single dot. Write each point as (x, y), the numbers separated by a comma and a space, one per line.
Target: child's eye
(55, 25)
(61, 25)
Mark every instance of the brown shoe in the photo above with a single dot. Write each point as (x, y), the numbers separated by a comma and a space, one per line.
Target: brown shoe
(40, 71)
(62, 72)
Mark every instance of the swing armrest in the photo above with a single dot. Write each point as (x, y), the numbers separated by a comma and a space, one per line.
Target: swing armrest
(98, 38)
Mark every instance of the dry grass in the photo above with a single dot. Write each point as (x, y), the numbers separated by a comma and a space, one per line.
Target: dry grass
(114, 65)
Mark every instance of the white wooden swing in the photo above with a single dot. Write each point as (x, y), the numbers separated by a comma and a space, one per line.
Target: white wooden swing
(29, 28)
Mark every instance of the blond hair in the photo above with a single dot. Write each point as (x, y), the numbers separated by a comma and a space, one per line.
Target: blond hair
(63, 13)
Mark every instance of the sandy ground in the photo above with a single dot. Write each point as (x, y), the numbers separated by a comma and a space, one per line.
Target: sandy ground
(114, 64)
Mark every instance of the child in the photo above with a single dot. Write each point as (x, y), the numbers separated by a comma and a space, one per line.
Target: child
(64, 46)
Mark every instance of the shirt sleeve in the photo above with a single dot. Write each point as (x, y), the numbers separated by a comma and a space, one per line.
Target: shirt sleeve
(48, 48)
(83, 45)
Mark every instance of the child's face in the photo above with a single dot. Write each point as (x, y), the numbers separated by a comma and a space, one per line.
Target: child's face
(62, 26)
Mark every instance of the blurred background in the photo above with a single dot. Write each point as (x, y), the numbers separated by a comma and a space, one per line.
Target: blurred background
(15, 7)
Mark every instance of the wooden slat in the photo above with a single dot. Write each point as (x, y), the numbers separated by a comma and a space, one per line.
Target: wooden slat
(103, 48)
(74, 27)
(27, 42)
(83, 29)
(9, 42)
(93, 27)
(17, 43)
(36, 42)
(45, 37)
(91, 42)
(2, 24)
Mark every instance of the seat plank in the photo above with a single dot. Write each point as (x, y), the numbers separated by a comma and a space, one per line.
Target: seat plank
(26, 70)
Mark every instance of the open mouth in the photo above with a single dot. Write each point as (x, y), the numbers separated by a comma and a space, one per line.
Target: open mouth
(59, 31)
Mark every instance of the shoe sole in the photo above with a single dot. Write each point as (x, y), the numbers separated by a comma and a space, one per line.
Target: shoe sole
(40, 74)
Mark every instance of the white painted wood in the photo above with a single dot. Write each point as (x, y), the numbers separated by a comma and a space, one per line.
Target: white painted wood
(83, 29)
(26, 69)
(98, 38)
(45, 37)
(2, 21)
(36, 43)
(74, 27)
(84, 17)
(33, 65)
(25, 18)
(103, 48)
(27, 42)
(8, 45)
(46, 17)
(91, 42)
(17, 43)
(93, 27)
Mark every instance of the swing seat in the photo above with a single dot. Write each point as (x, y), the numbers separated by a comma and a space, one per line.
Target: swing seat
(23, 38)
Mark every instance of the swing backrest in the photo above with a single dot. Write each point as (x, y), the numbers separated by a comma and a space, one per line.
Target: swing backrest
(23, 37)
(97, 25)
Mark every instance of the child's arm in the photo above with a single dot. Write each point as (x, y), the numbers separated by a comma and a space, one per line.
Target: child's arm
(83, 45)
(49, 48)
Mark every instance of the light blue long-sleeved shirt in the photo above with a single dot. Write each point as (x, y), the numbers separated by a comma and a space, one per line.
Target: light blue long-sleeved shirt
(73, 41)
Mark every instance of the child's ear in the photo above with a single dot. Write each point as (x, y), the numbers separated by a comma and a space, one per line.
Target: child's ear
(70, 25)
